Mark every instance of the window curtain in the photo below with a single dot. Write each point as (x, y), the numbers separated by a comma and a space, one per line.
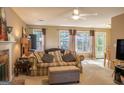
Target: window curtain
(73, 40)
(70, 39)
(92, 36)
(44, 38)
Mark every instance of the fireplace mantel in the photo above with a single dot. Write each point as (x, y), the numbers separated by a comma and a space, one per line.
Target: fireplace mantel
(7, 42)
(8, 45)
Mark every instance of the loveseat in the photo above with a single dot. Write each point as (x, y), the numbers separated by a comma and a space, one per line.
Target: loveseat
(41, 67)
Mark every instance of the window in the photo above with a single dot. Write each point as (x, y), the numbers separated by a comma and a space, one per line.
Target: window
(39, 38)
(64, 39)
(82, 41)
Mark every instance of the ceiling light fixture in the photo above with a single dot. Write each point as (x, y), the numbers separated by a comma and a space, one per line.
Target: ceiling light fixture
(75, 15)
(76, 11)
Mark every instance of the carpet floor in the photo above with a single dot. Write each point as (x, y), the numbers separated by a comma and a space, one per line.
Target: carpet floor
(92, 75)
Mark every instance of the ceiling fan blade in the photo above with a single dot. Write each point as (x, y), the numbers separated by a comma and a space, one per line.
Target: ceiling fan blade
(83, 18)
(93, 14)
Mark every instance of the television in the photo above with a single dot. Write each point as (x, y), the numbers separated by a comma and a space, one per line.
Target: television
(120, 49)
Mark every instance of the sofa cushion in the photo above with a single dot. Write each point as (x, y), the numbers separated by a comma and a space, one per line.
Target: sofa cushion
(47, 64)
(62, 63)
(71, 63)
(47, 58)
(58, 56)
(68, 57)
(67, 63)
(52, 53)
(38, 57)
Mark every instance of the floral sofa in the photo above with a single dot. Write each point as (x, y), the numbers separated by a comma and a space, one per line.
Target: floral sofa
(41, 67)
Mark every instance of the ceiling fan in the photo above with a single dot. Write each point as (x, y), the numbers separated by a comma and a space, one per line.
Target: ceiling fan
(76, 15)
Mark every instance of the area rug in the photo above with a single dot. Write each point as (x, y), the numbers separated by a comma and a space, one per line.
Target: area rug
(18, 82)
(96, 75)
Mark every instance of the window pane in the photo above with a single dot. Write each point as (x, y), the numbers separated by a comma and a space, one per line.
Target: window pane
(82, 41)
(64, 40)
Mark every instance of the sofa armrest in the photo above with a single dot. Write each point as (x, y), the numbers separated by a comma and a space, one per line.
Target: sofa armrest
(33, 61)
(79, 58)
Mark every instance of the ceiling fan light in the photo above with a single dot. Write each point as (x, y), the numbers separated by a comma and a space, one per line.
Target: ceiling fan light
(75, 17)
(76, 12)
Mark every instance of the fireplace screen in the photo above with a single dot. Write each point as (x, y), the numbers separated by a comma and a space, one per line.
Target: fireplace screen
(4, 64)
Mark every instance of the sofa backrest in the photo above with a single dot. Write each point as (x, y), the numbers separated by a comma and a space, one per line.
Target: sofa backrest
(56, 52)
(54, 49)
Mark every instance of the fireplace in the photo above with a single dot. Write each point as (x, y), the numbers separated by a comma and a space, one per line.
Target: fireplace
(4, 65)
(6, 49)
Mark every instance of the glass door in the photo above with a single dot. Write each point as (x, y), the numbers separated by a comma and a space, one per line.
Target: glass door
(82, 41)
(100, 44)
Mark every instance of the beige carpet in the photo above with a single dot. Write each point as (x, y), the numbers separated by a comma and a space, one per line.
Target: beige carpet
(92, 75)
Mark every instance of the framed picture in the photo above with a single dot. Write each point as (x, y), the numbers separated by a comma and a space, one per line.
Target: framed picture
(3, 25)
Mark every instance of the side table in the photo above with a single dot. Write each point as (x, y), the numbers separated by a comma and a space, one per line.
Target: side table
(22, 66)
(116, 62)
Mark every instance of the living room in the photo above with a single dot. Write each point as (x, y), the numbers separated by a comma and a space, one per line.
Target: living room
(91, 38)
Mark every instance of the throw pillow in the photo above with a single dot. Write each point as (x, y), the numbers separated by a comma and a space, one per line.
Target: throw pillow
(47, 58)
(68, 58)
